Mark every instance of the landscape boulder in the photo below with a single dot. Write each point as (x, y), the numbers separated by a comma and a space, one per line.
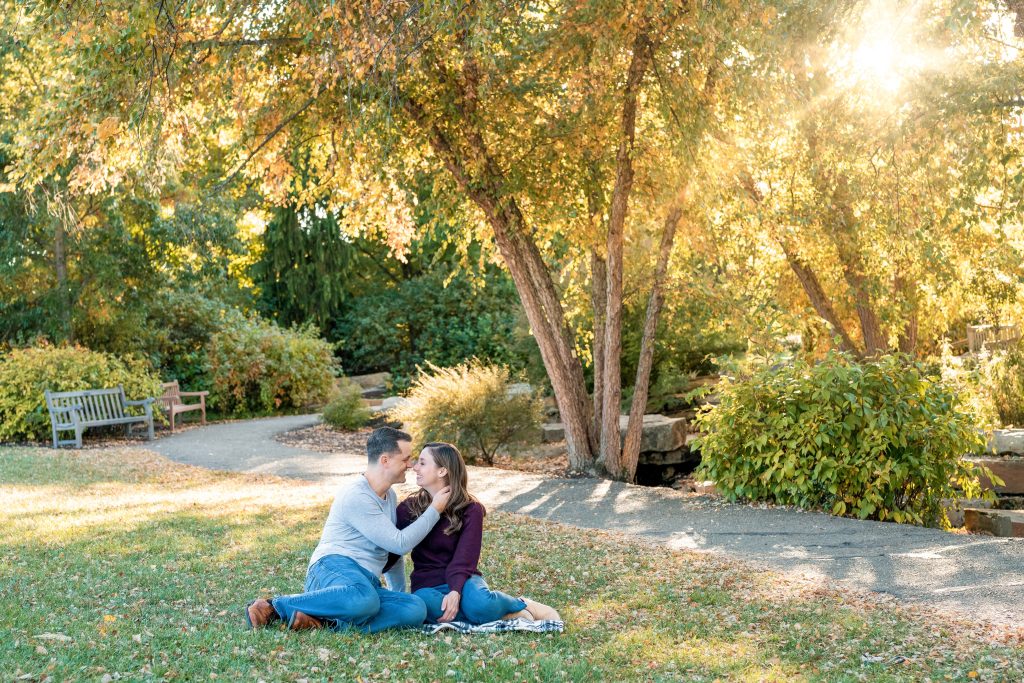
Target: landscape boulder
(1007, 441)
(660, 433)
(373, 385)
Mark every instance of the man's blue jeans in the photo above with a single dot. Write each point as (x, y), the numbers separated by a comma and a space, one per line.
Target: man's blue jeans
(341, 592)
(478, 605)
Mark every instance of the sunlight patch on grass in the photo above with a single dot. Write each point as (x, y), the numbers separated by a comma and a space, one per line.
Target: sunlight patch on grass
(141, 568)
(740, 658)
(56, 514)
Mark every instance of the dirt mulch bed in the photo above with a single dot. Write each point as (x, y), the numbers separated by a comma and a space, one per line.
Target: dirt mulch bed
(547, 459)
(324, 439)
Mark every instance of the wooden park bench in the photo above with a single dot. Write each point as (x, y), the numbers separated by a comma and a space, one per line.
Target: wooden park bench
(173, 404)
(76, 410)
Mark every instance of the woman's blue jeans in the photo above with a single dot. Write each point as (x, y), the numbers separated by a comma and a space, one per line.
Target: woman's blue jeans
(478, 605)
(341, 592)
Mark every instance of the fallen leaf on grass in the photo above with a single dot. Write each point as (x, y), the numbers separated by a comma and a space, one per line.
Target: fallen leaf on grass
(59, 637)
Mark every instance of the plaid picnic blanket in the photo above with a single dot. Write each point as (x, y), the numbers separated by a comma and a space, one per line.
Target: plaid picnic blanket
(500, 626)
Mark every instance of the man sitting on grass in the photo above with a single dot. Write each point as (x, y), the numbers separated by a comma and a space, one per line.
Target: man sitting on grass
(343, 588)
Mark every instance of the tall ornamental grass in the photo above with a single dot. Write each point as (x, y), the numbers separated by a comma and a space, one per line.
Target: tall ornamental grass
(473, 406)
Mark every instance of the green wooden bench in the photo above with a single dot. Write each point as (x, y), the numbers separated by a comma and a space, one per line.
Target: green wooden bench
(74, 411)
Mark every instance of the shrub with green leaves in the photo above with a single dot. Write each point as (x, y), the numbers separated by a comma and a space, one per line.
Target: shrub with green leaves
(346, 409)
(257, 367)
(883, 439)
(179, 328)
(472, 406)
(25, 374)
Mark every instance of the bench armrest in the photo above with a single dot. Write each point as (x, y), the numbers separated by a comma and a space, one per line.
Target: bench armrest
(143, 402)
(194, 393)
(73, 412)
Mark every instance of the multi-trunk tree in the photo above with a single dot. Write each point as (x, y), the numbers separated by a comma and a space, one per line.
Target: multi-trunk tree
(563, 132)
(531, 119)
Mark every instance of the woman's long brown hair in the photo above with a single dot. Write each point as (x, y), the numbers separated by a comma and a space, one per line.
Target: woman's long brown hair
(447, 456)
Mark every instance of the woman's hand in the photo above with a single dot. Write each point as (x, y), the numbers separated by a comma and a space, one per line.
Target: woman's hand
(450, 605)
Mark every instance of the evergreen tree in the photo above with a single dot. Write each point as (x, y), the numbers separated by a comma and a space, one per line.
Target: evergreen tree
(304, 268)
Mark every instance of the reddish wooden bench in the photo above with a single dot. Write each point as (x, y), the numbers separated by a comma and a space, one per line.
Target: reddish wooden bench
(173, 405)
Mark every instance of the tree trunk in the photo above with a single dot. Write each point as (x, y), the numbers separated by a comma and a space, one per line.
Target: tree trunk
(598, 299)
(806, 276)
(610, 451)
(908, 335)
(531, 277)
(819, 299)
(834, 189)
(60, 263)
(845, 239)
(634, 431)
(564, 369)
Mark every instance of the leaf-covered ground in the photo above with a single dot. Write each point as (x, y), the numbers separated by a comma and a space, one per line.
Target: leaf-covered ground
(117, 564)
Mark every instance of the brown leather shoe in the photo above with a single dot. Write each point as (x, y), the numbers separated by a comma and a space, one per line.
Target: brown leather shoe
(302, 622)
(259, 613)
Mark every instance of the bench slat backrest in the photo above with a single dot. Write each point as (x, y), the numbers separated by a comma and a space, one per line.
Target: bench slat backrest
(93, 404)
(171, 391)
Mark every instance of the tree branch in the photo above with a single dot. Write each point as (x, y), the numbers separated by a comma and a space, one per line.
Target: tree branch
(270, 136)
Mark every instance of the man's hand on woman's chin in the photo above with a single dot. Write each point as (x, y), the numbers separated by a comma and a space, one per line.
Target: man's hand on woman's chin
(440, 500)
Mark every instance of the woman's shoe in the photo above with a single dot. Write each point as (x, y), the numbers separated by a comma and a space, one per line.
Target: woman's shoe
(540, 611)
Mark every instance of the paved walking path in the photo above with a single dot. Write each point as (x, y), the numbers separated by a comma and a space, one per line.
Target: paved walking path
(978, 577)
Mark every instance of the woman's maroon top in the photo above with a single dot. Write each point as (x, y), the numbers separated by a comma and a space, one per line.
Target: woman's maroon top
(442, 559)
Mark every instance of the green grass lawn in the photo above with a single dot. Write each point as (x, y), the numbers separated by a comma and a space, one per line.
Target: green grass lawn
(120, 565)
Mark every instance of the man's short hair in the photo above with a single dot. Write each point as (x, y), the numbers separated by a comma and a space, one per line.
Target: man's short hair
(384, 440)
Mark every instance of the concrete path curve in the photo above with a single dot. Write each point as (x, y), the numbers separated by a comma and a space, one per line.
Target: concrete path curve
(977, 577)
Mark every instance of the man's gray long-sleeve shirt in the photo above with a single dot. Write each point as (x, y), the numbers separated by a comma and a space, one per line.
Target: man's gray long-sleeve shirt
(361, 525)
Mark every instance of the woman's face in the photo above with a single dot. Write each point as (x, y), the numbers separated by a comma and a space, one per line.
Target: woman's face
(428, 474)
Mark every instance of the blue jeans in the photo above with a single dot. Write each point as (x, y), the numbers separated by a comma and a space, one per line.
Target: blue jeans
(341, 592)
(478, 605)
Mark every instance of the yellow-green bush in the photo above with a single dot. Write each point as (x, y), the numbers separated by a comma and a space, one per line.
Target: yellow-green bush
(256, 366)
(471, 406)
(346, 409)
(884, 439)
(25, 374)
(991, 383)
(1006, 385)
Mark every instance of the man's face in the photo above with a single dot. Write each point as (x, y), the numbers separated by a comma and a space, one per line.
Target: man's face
(398, 463)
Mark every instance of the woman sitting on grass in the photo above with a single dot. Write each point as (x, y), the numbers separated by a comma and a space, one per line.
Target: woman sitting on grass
(444, 563)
